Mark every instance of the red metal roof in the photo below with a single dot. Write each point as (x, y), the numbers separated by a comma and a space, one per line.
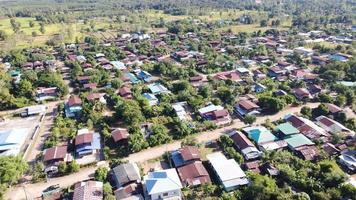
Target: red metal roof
(84, 138)
(241, 141)
(74, 100)
(194, 174)
(247, 104)
(190, 153)
(119, 134)
(54, 153)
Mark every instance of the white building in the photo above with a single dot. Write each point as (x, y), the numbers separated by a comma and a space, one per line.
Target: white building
(12, 140)
(228, 171)
(163, 184)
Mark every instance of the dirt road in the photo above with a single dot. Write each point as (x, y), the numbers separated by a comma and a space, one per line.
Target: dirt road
(34, 190)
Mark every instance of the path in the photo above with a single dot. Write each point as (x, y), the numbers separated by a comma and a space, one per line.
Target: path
(35, 190)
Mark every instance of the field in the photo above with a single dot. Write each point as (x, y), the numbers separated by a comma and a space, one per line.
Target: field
(106, 27)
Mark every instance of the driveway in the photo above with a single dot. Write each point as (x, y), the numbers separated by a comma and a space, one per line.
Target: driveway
(35, 190)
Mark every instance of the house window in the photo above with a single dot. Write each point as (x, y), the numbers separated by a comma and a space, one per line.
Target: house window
(165, 194)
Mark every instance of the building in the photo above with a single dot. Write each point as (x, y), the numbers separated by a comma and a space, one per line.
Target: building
(157, 88)
(228, 171)
(120, 135)
(56, 154)
(97, 97)
(185, 155)
(302, 146)
(332, 126)
(145, 76)
(303, 51)
(152, 99)
(259, 134)
(125, 174)
(302, 94)
(245, 146)
(43, 93)
(11, 141)
(258, 88)
(125, 92)
(193, 174)
(92, 190)
(286, 129)
(163, 184)
(307, 127)
(217, 114)
(87, 144)
(246, 107)
(180, 110)
(73, 106)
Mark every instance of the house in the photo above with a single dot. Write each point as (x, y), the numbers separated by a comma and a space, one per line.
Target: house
(243, 72)
(163, 184)
(273, 145)
(332, 126)
(73, 106)
(276, 71)
(130, 77)
(307, 127)
(125, 174)
(258, 88)
(333, 109)
(87, 143)
(228, 171)
(245, 146)
(278, 93)
(259, 134)
(152, 99)
(11, 141)
(196, 81)
(193, 174)
(83, 79)
(330, 149)
(90, 86)
(118, 65)
(302, 146)
(246, 107)
(185, 155)
(348, 159)
(286, 129)
(253, 166)
(157, 88)
(314, 90)
(302, 94)
(43, 93)
(92, 190)
(55, 155)
(33, 110)
(303, 51)
(180, 110)
(217, 114)
(97, 96)
(145, 76)
(132, 191)
(229, 75)
(125, 92)
(120, 135)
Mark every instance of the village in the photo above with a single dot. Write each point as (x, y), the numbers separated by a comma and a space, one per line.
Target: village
(147, 115)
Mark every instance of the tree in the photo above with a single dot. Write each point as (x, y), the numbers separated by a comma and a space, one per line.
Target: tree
(136, 140)
(271, 104)
(42, 28)
(15, 25)
(62, 167)
(261, 187)
(53, 79)
(340, 100)
(160, 135)
(250, 119)
(11, 169)
(322, 109)
(130, 112)
(101, 174)
(263, 23)
(107, 190)
(306, 111)
(25, 89)
(325, 98)
(73, 167)
(31, 24)
(34, 34)
(3, 35)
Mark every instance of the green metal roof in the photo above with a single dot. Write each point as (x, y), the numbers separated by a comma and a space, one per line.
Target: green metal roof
(287, 129)
(297, 140)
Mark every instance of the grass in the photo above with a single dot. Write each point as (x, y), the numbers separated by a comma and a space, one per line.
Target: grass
(249, 28)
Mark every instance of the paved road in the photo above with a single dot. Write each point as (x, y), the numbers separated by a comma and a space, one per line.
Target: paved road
(34, 190)
(46, 125)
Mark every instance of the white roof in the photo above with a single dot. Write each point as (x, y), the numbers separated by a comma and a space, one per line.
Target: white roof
(83, 131)
(227, 170)
(12, 140)
(210, 108)
(162, 181)
(36, 109)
